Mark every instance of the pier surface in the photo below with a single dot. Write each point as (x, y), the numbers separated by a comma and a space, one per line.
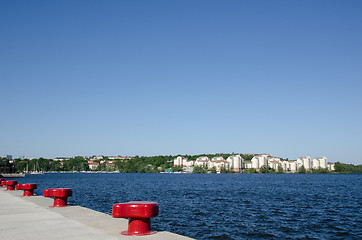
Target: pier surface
(32, 218)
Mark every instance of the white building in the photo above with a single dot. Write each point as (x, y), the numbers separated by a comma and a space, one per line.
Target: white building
(258, 161)
(315, 163)
(248, 164)
(182, 161)
(93, 165)
(320, 162)
(236, 162)
(179, 161)
(293, 166)
(286, 166)
(299, 163)
(189, 163)
(219, 158)
(273, 162)
(304, 161)
(202, 161)
(331, 167)
(218, 163)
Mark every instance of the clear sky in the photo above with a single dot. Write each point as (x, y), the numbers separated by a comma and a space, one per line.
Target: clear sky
(181, 77)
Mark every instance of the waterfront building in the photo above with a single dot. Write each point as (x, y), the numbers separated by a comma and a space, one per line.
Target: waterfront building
(323, 162)
(258, 161)
(316, 163)
(219, 158)
(286, 166)
(248, 164)
(331, 167)
(293, 166)
(304, 161)
(235, 162)
(299, 163)
(255, 162)
(210, 164)
(320, 162)
(178, 161)
(307, 163)
(202, 161)
(263, 160)
(182, 161)
(273, 162)
(93, 165)
(188, 163)
(218, 162)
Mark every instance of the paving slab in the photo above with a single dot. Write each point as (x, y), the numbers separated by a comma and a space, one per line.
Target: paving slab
(31, 218)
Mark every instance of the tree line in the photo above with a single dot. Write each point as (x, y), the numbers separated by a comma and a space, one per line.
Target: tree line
(152, 164)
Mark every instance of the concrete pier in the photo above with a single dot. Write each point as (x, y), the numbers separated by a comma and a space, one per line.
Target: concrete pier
(31, 218)
(12, 175)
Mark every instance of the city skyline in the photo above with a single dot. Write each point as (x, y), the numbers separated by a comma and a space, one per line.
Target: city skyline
(183, 77)
(116, 156)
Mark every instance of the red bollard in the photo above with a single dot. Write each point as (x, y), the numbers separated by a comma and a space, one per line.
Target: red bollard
(28, 188)
(138, 214)
(11, 185)
(1, 180)
(60, 196)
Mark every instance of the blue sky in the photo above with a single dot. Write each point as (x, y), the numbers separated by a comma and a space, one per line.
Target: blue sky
(181, 77)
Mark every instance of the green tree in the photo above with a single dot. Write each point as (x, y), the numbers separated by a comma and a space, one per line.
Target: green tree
(340, 167)
(213, 170)
(347, 168)
(250, 170)
(199, 169)
(301, 169)
(223, 169)
(55, 166)
(280, 169)
(176, 169)
(247, 157)
(263, 169)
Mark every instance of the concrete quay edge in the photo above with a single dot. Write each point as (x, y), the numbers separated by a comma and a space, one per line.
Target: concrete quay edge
(31, 218)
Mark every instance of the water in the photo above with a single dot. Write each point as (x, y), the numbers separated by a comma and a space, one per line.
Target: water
(228, 206)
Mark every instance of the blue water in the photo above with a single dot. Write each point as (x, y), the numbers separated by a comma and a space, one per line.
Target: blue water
(228, 206)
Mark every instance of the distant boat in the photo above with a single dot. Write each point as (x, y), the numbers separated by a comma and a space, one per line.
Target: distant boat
(36, 169)
(32, 173)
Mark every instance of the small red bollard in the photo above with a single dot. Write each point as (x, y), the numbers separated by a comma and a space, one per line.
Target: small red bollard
(60, 196)
(1, 180)
(138, 214)
(11, 185)
(28, 188)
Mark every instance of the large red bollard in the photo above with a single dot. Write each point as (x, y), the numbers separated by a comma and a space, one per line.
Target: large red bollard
(60, 196)
(11, 185)
(28, 188)
(138, 214)
(1, 180)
